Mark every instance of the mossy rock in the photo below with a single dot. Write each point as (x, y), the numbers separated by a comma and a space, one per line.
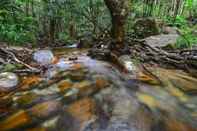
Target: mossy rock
(9, 67)
(12, 67)
(145, 27)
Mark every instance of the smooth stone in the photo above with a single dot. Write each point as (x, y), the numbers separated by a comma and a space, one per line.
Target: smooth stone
(63, 64)
(46, 109)
(8, 81)
(43, 57)
(127, 62)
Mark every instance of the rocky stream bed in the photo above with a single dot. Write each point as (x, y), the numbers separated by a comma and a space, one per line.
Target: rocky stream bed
(77, 93)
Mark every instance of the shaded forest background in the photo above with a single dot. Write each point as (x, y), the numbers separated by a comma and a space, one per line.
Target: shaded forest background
(53, 22)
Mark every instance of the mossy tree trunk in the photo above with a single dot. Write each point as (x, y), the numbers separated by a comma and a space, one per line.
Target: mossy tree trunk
(119, 12)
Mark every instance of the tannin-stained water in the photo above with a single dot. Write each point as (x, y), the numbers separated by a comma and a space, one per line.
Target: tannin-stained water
(77, 93)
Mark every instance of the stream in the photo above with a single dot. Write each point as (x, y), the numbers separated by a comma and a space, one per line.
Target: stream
(78, 93)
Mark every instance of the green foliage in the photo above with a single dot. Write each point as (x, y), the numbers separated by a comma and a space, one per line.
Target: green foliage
(24, 21)
(16, 34)
(179, 21)
(15, 27)
(188, 37)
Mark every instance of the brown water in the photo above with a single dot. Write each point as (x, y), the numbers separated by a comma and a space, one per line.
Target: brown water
(91, 95)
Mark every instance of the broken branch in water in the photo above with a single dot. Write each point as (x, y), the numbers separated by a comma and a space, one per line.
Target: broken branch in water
(12, 57)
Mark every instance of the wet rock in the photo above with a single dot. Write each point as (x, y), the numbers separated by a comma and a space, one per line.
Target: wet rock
(19, 119)
(51, 73)
(126, 61)
(84, 88)
(29, 82)
(37, 129)
(177, 78)
(8, 81)
(5, 104)
(43, 57)
(5, 101)
(147, 79)
(51, 90)
(78, 115)
(78, 72)
(77, 76)
(62, 64)
(176, 125)
(122, 111)
(45, 109)
(65, 85)
(83, 110)
(146, 27)
(27, 99)
(101, 82)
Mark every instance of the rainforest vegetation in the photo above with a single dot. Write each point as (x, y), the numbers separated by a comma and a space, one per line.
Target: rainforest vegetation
(39, 22)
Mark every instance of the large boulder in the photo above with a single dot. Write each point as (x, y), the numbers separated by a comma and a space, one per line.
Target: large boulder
(43, 57)
(169, 30)
(162, 41)
(145, 27)
(8, 81)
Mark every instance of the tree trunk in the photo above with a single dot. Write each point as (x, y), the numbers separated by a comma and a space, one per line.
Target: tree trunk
(119, 12)
(52, 31)
(27, 8)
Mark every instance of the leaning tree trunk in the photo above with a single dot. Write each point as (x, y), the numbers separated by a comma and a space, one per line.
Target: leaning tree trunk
(119, 12)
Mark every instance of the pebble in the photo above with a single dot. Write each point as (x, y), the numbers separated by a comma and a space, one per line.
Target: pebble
(8, 81)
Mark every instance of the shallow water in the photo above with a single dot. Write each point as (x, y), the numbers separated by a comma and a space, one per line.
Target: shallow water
(78, 93)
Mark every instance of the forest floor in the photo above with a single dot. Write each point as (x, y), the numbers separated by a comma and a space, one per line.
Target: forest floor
(66, 89)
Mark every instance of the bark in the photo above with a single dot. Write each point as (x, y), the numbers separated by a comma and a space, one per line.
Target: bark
(52, 31)
(119, 12)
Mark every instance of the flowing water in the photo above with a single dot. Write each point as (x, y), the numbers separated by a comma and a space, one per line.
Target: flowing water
(77, 93)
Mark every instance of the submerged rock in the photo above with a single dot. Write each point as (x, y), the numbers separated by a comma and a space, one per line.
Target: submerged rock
(62, 64)
(16, 120)
(46, 109)
(43, 57)
(8, 81)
